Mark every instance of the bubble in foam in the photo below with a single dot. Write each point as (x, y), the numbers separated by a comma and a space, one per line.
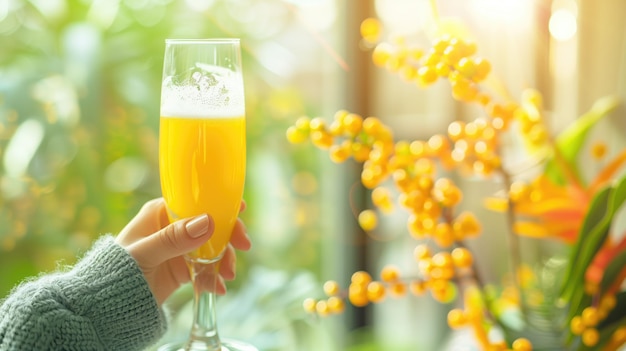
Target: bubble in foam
(204, 90)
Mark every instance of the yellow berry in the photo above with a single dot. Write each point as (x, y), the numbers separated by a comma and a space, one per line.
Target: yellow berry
(442, 69)
(462, 257)
(608, 302)
(303, 123)
(368, 220)
(376, 292)
(456, 130)
(371, 29)
(398, 289)
(598, 150)
(425, 183)
(425, 166)
(417, 287)
(309, 305)
(321, 307)
(519, 191)
(353, 123)
(382, 199)
(317, 124)
(448, 194)
(590, 337)
(444, 236)
(452, 54)
(371, 125)
(335, 304)
(331, 288)
(321, 139)
(357, 294)
(369, 178)
(418, 148)
(590, 316)
(443, 290)
(361, 278)
(522, 344)
(360, 151)
(422, 251)
(425, 266)
(382, 54)
(338, 153)
(414, 225)
(438, 144)
(457, 318)
(296, 135)
(442, 185)
(440, 44)
(576, 325)
(442, 259)
(463, 89)
(482, 69)
(466, 66)
(390, 273)
(466, 225)
(483, 99)
(427, 75)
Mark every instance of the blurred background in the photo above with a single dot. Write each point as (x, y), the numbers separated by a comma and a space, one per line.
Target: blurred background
(79, 103)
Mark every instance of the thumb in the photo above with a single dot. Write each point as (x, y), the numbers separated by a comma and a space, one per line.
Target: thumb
(174, 240)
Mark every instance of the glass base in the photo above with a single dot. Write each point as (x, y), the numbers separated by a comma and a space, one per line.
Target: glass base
(226, 345)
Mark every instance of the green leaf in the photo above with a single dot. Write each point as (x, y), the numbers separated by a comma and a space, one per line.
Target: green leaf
(613, 271)
(596, 211)
(592, 235)
(571, 140)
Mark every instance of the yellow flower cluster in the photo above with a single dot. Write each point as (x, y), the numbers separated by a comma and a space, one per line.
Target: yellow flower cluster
(585, 324)
(412, 167)
(473, 315)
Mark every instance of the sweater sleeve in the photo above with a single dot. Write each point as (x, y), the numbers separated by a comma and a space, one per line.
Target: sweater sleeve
(102, 303)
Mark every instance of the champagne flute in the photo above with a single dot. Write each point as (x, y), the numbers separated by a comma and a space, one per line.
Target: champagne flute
(202, 161)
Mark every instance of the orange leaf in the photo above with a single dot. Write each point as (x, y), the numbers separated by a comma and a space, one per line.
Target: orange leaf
(531, 229)
(496, 204)
(607, 173)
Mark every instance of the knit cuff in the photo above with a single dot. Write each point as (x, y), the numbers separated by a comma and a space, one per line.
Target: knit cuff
(108, 288)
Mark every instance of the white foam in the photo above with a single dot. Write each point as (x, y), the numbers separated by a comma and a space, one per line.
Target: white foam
(209, 92)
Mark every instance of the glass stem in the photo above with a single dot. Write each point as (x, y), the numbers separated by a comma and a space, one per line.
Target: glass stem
(204, 336)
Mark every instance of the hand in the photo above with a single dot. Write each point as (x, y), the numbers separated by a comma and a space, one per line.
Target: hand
(158, 247)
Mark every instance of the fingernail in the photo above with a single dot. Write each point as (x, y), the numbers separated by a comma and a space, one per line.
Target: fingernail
(198, 226)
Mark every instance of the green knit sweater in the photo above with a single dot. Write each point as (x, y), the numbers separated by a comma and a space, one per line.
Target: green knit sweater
(102, 303)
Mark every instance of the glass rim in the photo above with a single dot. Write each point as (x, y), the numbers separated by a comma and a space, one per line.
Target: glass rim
(202, 41)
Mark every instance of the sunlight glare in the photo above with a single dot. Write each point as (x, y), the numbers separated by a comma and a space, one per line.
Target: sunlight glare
(199, 5)
(515, 13)
(563, 25)
(22, 148)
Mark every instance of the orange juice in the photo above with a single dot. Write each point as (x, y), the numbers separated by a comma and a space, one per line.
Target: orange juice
(202, 164)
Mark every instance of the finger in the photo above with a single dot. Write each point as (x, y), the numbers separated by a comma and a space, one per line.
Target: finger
(242, 206)
(239, 238)
(172, 241)
(143, 223)
(163, 218)
(228, 264)
(220, 288)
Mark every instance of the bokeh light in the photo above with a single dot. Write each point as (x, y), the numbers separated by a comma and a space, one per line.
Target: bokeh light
(563, 25)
